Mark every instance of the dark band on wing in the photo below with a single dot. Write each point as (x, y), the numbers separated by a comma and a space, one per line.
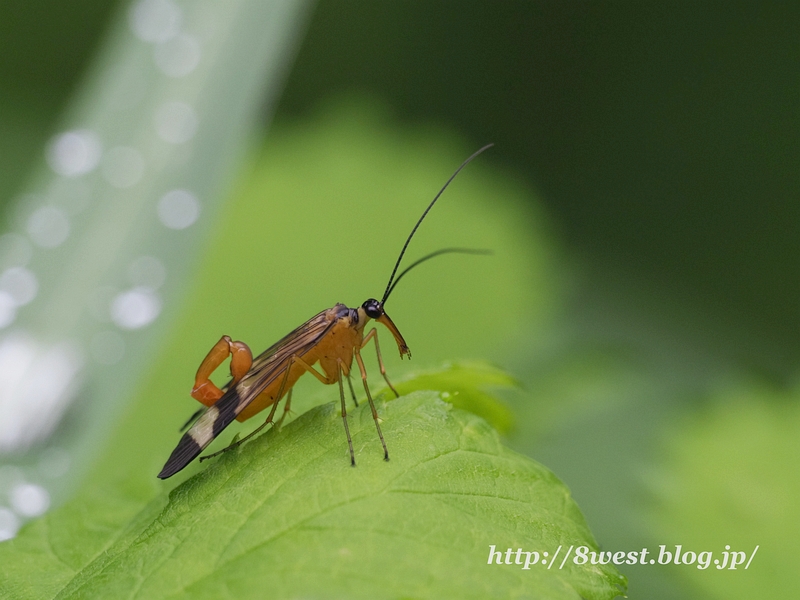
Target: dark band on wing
(208, 426)
(229, 406)
(267, 367)
(184, 453)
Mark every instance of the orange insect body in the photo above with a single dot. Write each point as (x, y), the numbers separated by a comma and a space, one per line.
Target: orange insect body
(331, 339)
(332, 350)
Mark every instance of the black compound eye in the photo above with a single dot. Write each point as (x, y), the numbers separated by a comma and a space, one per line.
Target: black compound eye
(373, 308)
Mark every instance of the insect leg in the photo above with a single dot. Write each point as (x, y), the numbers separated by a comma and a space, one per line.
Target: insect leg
(344, 412)
(373, 335)
(238, 442)
(369, 397)
(352, 391)
(292, 361)
(204, 389)
(287, 408)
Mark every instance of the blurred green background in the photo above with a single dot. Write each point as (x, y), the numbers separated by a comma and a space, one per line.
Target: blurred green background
(642, 202)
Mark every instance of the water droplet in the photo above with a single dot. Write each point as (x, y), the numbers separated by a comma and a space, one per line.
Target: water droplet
(147, 271)
(9, 524)
(155, 20)
(178, 209)
(29, 499)
(179, 56)
(135, 308)
(123, 166)
(48, 227)
(74, 153)
(20, 284)
(107, 347)
(175, 122)
(37, 383)
(17, 355)
(15, 250)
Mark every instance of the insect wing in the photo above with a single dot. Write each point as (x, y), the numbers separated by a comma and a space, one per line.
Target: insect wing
(267, 367)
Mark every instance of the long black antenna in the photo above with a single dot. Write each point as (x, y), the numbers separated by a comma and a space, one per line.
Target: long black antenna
(413, 231)
(428, 257)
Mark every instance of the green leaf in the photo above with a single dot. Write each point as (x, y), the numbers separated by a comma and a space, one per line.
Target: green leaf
(468, 385)
(286, 516)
